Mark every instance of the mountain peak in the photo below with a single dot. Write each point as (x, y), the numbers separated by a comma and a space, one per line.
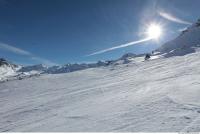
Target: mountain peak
(185, 43)
(3, 62)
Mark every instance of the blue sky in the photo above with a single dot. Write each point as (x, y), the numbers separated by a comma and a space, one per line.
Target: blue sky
(63, 31)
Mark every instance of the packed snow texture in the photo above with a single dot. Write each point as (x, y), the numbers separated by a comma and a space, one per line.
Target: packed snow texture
(160, 95)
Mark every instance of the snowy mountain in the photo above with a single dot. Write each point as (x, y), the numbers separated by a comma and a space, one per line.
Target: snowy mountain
(5, 63)
(66, 68)
(11, 71)
(7, 69)
(76, 67)
(185, 43)
(39, 68)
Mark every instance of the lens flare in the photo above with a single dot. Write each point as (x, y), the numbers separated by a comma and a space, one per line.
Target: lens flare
(154, 31)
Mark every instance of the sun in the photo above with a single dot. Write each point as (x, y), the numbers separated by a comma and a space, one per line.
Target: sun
(154, 31)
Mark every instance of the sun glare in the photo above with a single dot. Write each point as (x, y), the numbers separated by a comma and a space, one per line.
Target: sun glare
(154, 31)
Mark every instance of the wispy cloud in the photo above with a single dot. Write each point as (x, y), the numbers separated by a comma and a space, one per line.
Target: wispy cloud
(22, 52)
(14, 49)
(173, 18)
(120, 46)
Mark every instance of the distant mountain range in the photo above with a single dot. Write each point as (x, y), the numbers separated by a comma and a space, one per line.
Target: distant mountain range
(8, 69)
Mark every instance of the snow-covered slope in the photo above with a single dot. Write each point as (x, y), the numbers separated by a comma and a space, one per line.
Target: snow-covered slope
(185, 43)
(161, 95)
(7, 69)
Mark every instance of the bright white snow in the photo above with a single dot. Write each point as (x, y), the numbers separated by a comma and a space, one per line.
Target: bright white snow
(6, 71)
(161, 95)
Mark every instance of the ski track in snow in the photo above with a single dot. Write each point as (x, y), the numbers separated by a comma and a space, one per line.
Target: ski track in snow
(161, 95)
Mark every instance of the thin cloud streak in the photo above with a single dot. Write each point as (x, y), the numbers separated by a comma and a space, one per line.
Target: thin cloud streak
(173, 18)
(120, 46)
(14, 49)
(22, 52)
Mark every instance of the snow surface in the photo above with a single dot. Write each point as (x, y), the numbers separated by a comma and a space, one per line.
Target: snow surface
(160, 95)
